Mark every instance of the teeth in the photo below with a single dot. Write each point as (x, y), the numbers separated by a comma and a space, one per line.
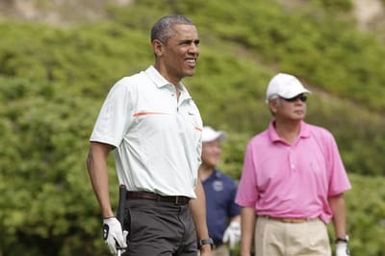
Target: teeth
(191, 62)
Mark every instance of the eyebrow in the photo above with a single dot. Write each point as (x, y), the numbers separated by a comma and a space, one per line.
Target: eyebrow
(189, 41)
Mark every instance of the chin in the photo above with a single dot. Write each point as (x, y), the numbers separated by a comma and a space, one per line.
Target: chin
(189, 73)
(297, 118)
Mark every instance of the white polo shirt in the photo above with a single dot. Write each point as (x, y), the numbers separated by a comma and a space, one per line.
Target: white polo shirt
(157, 137)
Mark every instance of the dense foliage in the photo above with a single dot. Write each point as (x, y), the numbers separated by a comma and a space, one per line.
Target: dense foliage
(53, 81)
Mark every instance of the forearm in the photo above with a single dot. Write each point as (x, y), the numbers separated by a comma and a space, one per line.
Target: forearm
(247, 229)
(337, 204)
(198, 210)
(97, 170)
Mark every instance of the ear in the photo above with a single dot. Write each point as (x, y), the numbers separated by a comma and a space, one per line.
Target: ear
(273, 105)
(157, 47)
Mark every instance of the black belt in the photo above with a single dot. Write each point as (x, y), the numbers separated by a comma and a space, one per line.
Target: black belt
(177, 200)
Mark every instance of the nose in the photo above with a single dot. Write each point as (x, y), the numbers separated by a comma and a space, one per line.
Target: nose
(217, 149)
(194, 49)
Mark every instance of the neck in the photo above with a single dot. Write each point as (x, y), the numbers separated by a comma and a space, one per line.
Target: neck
(204, 172)
(166, 74)
(288, 130)
(163, 71)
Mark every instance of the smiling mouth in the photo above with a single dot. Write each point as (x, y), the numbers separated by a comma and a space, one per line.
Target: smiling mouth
(300, 111)
(191, 62)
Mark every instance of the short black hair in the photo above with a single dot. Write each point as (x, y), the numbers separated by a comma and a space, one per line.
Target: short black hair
(163, 28)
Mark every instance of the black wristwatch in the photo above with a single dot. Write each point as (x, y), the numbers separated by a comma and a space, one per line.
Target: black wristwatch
(204, 242)
(344, 239)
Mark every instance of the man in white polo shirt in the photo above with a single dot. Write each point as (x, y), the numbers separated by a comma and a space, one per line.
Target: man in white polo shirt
(154, 128)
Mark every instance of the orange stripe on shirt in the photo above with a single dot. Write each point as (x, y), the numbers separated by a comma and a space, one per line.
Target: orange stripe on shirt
(147, 113)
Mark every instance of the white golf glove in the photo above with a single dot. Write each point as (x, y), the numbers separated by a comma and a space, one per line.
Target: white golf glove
(232, 234)
(342, 249)
(113, 235)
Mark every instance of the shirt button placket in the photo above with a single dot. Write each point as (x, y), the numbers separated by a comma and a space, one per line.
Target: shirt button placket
(291, 160)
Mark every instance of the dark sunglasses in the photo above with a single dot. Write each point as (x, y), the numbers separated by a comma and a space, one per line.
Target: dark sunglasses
(301, 97)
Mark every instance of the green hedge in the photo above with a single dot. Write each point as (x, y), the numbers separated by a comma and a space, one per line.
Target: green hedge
(53, 82)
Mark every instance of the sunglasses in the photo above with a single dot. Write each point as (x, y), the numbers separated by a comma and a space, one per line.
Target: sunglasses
(301, 97)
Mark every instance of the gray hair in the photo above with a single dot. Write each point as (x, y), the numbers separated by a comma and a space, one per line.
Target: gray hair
(272, 97)
(275, 98)
(163, 28)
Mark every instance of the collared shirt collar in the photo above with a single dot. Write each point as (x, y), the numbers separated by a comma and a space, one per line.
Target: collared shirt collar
(160, 81)
(215, 175)
(274, 137)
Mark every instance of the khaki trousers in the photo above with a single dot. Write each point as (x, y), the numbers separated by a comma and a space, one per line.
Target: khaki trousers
(276, 238)
(221, 250)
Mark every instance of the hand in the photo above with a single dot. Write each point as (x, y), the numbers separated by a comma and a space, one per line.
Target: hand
(342, 249)
(232, 234)
(113, 235)
(205, 251)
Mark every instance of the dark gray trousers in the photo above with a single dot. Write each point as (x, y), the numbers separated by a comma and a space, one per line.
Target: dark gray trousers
(159, 228)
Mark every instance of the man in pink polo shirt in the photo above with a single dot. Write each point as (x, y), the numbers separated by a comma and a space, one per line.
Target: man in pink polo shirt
(292, 182)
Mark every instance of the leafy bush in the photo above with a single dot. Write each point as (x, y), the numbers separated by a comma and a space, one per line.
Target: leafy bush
(53, 81)
(366, 219)
(335, 5)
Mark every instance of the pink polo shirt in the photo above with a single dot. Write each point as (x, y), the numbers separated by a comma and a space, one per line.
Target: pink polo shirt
(292, 181)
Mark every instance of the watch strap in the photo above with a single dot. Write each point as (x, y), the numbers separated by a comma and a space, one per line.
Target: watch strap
(203, 242)
(344, 239)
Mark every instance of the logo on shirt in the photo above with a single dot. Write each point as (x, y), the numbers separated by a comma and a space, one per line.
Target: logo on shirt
(218, 185)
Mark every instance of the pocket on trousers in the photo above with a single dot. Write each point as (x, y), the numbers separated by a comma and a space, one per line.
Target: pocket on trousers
(127, 222)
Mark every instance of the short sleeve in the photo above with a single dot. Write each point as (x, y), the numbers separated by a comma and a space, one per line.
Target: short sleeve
(114, 116)
(338, 179)
(247, 193)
